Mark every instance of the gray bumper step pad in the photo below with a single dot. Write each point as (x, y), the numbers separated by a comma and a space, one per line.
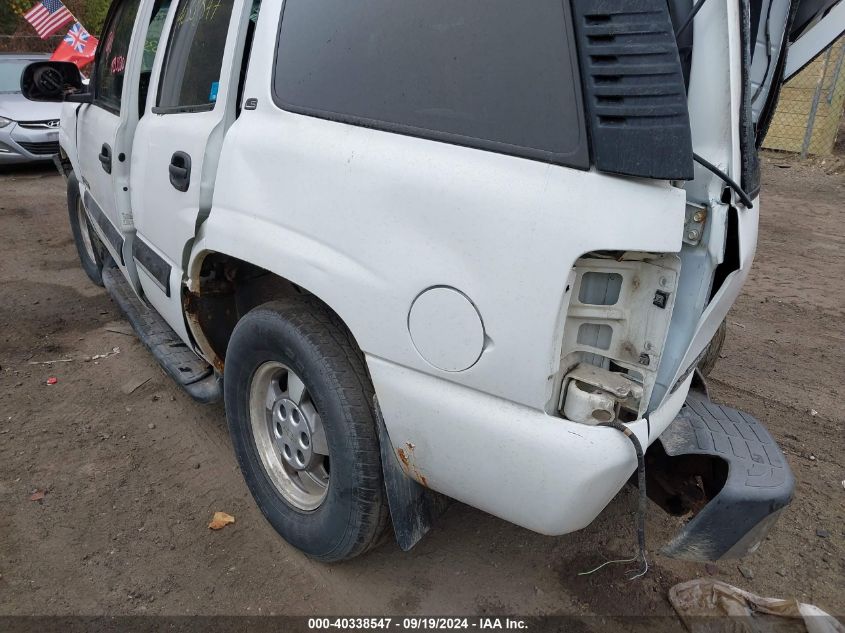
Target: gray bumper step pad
(180, 362)
(759, 482)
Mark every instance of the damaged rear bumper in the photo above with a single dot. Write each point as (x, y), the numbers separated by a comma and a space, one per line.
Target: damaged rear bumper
(721, 466)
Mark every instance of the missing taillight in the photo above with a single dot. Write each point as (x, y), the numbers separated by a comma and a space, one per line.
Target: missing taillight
(615, 330)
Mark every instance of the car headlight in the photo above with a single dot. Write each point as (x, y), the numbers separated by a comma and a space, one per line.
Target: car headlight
(4, 121)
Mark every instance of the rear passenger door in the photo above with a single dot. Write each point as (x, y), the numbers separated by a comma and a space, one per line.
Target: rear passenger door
(177, 142)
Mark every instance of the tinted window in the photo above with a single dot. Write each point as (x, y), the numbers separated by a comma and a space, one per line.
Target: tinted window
(491, 73)
(111, 56)
(191, 75)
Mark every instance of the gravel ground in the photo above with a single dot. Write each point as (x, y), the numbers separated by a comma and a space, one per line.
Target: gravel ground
(132, 479)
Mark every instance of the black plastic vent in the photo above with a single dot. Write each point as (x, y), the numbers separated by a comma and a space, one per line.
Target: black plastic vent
(634, 88)
(41, 149)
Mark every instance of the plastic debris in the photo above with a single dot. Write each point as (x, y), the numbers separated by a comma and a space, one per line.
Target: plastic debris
(114, 350)
(221, 520)
(704, 605)
(51, 362)
(52, 380)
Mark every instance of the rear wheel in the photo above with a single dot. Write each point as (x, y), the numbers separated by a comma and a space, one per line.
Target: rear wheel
(88, 245)
(300, 413)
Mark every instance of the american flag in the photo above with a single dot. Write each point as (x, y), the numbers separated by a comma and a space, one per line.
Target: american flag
(48, 16)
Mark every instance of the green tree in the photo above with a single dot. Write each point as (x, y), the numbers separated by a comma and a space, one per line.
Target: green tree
(15, 33)
(91, 13)
(10, 16)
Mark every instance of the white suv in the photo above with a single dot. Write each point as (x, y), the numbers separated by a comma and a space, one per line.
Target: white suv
(442, 249)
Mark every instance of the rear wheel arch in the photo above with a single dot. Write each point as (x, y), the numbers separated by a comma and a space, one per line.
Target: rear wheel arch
(223, 288)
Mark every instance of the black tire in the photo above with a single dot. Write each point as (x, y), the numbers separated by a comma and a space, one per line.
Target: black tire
(91, 260)
(307, 338)
(714, 349)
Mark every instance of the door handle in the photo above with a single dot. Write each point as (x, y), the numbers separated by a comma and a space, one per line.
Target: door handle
(105, 158)
(180, 171)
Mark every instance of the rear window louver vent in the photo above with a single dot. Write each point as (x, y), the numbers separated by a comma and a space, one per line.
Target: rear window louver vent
(634, 88)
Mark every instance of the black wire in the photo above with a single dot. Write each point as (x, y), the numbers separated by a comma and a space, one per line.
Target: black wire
(641, 510)
(707, 165)
(695, 9)
(727, 179)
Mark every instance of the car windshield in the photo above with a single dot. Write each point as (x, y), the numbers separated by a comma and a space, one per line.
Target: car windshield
(10, 74)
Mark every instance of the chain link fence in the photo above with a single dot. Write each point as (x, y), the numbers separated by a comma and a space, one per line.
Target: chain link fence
(809, 113)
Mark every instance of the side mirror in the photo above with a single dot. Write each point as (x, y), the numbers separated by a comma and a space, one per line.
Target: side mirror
(53, 81)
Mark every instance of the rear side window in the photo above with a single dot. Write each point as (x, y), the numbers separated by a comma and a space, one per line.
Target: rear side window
(191, 75)
(110, 68)
(159, 15)
(495, 74)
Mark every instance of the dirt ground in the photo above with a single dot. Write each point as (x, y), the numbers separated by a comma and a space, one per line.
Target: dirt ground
(132, 480)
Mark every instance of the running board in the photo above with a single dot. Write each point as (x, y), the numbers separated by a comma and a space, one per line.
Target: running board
(180, 362)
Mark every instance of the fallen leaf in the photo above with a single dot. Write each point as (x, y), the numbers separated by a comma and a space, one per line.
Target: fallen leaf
(220, 520)
(38, 495)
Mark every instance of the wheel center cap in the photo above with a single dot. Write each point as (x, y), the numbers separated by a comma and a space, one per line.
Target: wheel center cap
(291, 433)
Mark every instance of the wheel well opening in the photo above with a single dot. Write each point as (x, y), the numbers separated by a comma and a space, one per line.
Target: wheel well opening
(228, 288)
(682, 485)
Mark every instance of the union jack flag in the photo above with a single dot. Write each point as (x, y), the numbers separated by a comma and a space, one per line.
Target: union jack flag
(77, 47)
(48, 16)
(77, 38)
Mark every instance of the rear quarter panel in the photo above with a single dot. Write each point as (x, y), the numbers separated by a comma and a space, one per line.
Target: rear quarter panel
(367, 220)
